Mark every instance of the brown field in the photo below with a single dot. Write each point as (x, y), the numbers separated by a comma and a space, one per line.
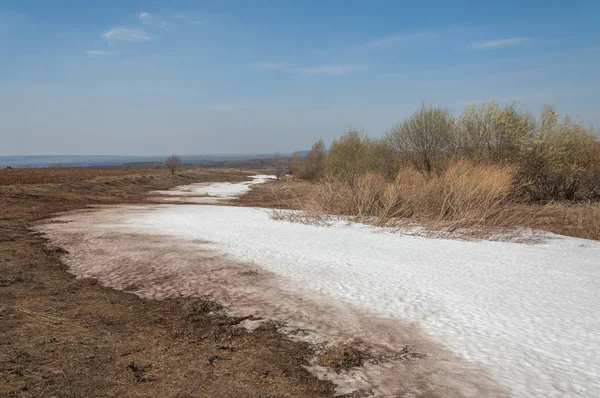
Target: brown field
(67, 337)
(58, 176)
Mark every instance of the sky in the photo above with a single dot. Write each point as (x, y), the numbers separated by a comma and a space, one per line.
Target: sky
(213, 77)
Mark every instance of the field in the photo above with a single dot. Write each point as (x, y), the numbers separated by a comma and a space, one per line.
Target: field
(68, 337)
(198, 284)
(59, 176)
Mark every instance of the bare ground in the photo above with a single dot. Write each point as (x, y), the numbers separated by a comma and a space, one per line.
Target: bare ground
(67, 337)
(367, 353)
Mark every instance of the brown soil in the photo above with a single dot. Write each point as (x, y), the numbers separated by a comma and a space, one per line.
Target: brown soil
(55, 176)
(67, 337)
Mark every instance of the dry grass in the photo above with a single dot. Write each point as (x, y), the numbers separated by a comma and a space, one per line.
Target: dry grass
(468, 201)
(581, 220)
(67, 337)
(54, 176)
(342, 356)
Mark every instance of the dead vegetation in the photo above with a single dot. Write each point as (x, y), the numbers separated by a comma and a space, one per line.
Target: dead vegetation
(68, 337)
(474, 204)
(342, 356)
(66, 175)
(493, 170)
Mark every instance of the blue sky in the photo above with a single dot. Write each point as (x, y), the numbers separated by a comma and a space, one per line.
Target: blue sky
(154, 78)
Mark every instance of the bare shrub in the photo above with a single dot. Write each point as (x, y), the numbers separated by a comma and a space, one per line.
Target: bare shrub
(365, 199)
(574, 219)
(296, 164)
(349, 156)
(279, 167)
(475, 173)
(424, 137)
(464, 196)
(314, 164)
(492, 132)
(173, 163)
(561, 162)
(382, 159)
(471, 194)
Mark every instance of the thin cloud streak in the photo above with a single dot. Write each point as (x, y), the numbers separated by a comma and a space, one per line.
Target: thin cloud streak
(501, 43)
(152, 20)
(333, 70)
(126, 34)
(97, 53)
(272, 66)
(193, 20)
(322, 70)
(403, 40)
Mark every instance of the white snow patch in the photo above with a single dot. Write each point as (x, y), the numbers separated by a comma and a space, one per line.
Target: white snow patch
(529, 314)
(212, 192)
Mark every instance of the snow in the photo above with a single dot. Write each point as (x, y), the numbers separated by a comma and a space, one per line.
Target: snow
(213, 192)
(529, 314)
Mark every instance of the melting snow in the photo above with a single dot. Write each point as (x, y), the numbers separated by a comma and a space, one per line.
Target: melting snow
(529, 314)
(212, 192)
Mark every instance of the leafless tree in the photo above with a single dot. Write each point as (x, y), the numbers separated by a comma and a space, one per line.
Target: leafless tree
(423, 137)
(314, 165)
(279, 169)
(296, 164)
(173, 163)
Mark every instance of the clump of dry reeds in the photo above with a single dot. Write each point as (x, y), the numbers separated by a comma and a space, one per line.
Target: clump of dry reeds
(465, 196)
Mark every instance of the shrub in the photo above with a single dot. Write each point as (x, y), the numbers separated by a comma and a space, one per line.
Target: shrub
(492, 132)
(296, 164)
(349, 157)
(314, 164)
(462, 196)
(382, 159)
(423, 138)
(561, 162)
(469, 193)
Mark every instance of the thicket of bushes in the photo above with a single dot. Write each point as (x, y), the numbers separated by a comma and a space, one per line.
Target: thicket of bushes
(551, 158)
(458, 172)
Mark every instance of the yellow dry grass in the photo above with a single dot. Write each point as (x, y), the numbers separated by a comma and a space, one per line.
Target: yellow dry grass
(468, 199)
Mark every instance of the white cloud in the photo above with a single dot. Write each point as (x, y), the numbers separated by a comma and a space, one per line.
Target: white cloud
(493, 44)
(193, 20)
(412, 39)
(145, 17)
(154, 20)
(330, 70)
(273, 66)
(126, 34)
(327, 69)
(97, 53)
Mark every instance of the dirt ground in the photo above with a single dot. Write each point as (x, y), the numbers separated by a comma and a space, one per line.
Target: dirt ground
(62, 337)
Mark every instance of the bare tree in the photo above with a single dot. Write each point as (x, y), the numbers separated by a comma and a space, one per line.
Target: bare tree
(314, 165)
(173, 163)
(423, 137)
(296, 164)
(279, 169)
